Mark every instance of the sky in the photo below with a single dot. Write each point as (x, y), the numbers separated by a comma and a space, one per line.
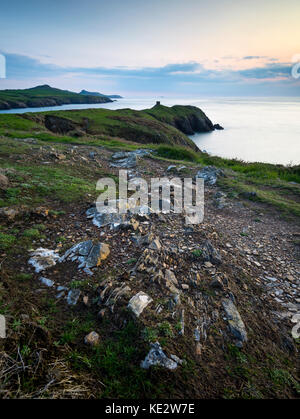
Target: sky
(146, 47)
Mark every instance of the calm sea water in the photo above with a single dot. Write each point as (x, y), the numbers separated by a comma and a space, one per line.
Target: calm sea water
(256, 129)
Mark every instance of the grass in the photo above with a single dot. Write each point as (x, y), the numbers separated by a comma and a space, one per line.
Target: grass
(150, 335)
(76, 327)
(254, 171)
(40, 227)
(197, 253)
(15, 123)
(247, 367)
(177, 153)
(37, 183)
(116, 364)
(6, 241)
(13, 241)
(79, 284)
(32, 233)
(282, 378)
(165, 329)
(272, 196)
(94, 141)
(276, 185)
(170, 114)
(23, 277)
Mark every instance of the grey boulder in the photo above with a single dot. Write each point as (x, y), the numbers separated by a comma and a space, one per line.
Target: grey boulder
(236, 324)
(156, 357)
(210, 175)
(210, 254)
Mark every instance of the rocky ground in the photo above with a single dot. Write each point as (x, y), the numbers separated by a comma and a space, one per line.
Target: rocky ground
(145, 306)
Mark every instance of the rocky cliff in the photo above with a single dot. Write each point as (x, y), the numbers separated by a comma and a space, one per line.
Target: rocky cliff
(159, 125)
(187, 119)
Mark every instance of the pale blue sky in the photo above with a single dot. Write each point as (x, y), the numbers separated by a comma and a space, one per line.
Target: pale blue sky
(220, 47)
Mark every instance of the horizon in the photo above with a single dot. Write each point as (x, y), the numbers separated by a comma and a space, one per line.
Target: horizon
(221, 49)
(157, 97)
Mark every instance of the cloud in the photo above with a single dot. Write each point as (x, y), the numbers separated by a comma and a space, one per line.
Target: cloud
(171, 78)
(144, 72)
(22, 66)
(260, 57)
(269, 71)
(254, 57)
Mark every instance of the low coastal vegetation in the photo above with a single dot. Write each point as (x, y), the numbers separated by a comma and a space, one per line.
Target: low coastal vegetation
(49, 169)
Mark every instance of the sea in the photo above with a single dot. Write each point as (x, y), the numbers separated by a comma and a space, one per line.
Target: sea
(255, 129)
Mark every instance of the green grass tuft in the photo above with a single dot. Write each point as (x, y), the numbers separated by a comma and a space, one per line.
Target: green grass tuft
(6, 241)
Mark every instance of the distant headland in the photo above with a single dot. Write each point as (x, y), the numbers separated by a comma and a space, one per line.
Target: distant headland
(45, 95)
(86, 93)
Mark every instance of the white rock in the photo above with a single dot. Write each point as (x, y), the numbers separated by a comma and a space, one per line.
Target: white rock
(47, 281)
(176, 359)
(61, 288)
(42, 259)
(139, 302)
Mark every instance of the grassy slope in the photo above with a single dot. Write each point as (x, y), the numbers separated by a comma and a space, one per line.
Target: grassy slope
(38, 183)
(132, 125)
(276, 185)
(39, 91)
(167, 114)
(127, 124)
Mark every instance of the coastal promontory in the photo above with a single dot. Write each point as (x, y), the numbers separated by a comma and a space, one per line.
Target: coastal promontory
(44, 96)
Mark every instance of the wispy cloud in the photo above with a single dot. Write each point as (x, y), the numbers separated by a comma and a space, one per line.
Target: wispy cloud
(22, 66)
(169, 78)
(254, 57)
(269, 71)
